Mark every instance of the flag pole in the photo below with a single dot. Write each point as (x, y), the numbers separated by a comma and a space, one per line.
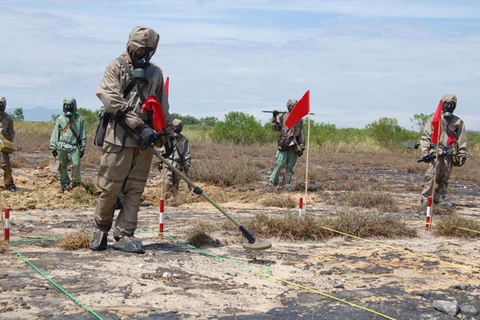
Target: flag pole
(435, 166)
(306, 164)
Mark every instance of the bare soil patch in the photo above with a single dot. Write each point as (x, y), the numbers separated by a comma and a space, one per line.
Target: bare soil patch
(341, 278)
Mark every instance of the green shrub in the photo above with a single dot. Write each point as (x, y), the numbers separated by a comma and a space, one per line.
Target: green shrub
(239, 128)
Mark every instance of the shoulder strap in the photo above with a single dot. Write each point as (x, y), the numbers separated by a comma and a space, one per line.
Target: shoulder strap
(132, 83)
(66, 127)
(74, 134)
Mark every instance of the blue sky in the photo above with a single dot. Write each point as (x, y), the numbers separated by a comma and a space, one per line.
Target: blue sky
(361, 60)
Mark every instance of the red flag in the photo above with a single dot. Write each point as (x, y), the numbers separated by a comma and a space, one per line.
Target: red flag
(436, 123)
(152, 104)
(166, 85)
(300, 110)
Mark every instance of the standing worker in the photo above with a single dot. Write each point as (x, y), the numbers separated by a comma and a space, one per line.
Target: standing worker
(68, 142)
(291, 144)
(180, 158)
(8, 133)
(452, 148)
(125, 161)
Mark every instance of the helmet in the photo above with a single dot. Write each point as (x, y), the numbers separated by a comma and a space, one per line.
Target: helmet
(290, 104)
(178, 124)
(3, 104)
(449, 103)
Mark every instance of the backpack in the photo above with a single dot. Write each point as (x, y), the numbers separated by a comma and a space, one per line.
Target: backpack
(103, 119)
(104, 116)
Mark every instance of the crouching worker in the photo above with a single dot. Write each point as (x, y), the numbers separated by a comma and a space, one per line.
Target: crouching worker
(7, 132)
(126, 159)
(180, 159)
(68, 142)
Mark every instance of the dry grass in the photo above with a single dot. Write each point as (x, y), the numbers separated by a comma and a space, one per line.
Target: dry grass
(280, 201)
(456, 226)
(291, 227)
(197, 236)
(366, 225)
(383, 202)
(3, 247)
(75, 241)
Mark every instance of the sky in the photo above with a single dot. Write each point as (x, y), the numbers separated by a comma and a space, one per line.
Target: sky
(361, 60)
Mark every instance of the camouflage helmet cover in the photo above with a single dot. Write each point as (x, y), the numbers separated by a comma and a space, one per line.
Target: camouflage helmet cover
(178, 124)
(448, 97)
(291, 103)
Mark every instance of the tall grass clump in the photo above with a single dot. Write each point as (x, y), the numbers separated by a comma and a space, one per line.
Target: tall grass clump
(456, 226)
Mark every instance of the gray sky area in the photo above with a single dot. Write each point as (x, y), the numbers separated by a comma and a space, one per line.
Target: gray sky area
(361, 60)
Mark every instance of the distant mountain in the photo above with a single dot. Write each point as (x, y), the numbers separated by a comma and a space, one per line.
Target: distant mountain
(40, 114)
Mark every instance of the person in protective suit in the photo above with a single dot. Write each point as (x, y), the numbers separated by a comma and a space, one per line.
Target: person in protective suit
(452, 151)
(291, 145)
(180, 158)
(126, 159)
(8, 132)
(68, 142)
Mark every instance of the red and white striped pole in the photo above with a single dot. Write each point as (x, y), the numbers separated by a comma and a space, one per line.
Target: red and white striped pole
(300, 207)
(6, 225)
(428, 213)
(161, 218)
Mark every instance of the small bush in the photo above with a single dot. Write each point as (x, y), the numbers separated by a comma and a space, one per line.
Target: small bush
(75, 241)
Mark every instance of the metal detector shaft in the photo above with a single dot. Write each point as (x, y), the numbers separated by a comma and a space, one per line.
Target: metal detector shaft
(198, 190)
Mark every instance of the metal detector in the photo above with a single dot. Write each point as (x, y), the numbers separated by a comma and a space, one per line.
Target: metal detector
(252, 243)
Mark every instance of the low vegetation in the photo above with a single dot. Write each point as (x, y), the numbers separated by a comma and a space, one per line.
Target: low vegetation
(235, 155)
(456, 226)
(75, 241)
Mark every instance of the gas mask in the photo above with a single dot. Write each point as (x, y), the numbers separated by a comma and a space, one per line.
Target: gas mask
(447, 109)
(2, 107)
(68, 109)
(141, 60)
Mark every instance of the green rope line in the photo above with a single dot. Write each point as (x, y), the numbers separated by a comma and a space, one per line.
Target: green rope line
(242, 266)
(81, 304)
(35, 239)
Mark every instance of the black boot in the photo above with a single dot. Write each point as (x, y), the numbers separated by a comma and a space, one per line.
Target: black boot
(99, 242)
(129, 244)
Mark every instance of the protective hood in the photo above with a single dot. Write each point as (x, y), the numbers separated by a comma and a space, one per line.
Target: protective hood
(448, 97)
(70, 101)
(141, 37)
(4, 102)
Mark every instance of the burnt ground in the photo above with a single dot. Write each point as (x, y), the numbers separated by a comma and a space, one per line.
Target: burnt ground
(341, 278)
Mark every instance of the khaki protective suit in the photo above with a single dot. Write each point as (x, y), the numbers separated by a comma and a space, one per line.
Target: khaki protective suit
(124, 167)
(69, 139)
(454, 126)
(288, 156)
(8, 132)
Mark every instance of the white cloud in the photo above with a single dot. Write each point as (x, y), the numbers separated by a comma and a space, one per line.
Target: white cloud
(362, 60)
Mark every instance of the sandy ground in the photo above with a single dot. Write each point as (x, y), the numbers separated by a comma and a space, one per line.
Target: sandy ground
(342, 278)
